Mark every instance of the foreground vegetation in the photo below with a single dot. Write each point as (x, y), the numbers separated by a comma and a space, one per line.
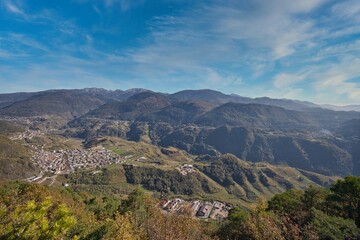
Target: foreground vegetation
(316, 213)
(29, 211)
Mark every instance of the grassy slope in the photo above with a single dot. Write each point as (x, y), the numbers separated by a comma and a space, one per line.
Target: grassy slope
(8, 127)
(14, 160)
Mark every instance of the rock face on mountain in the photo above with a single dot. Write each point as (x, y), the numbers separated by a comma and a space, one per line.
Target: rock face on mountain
(207, 122)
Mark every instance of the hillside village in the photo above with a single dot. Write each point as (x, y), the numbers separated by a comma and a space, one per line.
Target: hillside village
(68, 161)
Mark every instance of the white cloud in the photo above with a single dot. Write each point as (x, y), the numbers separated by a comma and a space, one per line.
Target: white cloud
(284, 79)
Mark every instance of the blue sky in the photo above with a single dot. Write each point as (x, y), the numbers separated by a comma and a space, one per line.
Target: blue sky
(307, 50)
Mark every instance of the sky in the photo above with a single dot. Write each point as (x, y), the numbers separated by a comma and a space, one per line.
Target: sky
(306, 50)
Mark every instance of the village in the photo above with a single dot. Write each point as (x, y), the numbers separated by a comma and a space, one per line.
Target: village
(67, 161)
(200, 209)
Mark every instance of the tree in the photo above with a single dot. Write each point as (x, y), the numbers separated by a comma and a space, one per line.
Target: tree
(257, 224)
(288, 202)
(332, 227)
(44, 220)
(314, 197)
(125, 228)
(345, 198)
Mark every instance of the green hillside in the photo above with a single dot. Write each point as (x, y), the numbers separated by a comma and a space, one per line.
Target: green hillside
(14, 160)
(8, 127)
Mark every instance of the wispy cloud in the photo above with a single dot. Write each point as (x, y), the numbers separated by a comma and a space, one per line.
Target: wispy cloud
(347, 9)
(22, 11)
(335, 83)
(285, 79)
(13, 8)
(22, 39)
(259, 24)
(123, 5)
(341, 79)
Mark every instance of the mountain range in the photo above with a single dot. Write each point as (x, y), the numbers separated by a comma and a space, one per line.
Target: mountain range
(204, 122)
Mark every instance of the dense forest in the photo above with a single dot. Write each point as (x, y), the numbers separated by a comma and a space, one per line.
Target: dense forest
(31, 211)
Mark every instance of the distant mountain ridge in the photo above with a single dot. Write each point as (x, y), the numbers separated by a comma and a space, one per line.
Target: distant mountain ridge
(221, 98)
(208, 95)
(69, 103)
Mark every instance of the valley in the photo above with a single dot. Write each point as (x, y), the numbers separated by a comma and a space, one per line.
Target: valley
(141, 138)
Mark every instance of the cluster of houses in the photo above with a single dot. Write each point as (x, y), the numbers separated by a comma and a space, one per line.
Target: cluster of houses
(186, 169)
(67, 161)
(29, 134)
(200, 209)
